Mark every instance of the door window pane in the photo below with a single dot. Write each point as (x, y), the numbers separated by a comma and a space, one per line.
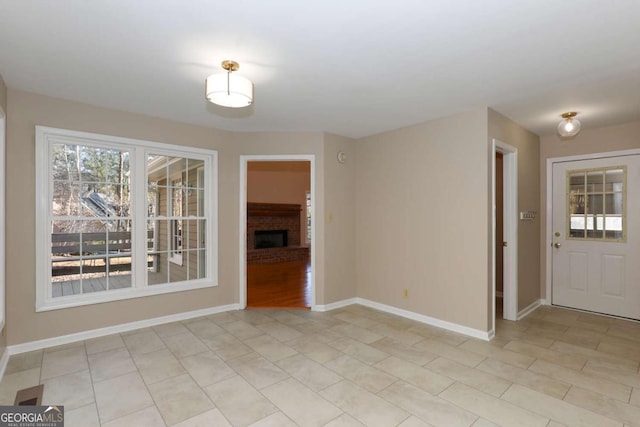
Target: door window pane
(595, 204)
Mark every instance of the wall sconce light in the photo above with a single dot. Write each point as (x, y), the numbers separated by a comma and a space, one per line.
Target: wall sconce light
(229, 90)
(569, 126)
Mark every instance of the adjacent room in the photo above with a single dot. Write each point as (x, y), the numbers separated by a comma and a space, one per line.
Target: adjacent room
(207, 220)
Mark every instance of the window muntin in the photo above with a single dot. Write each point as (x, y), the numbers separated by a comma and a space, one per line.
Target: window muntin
(596, 204)
(96, 232)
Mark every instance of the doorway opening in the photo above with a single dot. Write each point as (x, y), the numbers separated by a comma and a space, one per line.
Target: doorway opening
(504, 198)
(276, 238)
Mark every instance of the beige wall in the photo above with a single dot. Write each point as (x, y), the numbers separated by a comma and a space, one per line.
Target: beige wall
(3, 111)
(528, 146)
(340, 219)
(29, 110)
(610, 138)
(422, 218)
(281, 182)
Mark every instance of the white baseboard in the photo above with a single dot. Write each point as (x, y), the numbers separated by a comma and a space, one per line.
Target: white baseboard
(125, 327)
(335, 305)
(3, 362)
(527, 310)
(454, 327)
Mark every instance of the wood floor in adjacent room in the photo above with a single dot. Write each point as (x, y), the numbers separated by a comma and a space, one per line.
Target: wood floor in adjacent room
(353, 366)
(279, 285)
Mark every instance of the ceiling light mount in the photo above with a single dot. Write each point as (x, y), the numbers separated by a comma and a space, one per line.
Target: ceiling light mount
(569, 126)
(227, 89)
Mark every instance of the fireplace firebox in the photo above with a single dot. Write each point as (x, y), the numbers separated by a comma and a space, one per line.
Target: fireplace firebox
(264, 239)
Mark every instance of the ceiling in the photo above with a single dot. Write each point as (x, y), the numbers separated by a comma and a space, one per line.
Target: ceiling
(350, 67)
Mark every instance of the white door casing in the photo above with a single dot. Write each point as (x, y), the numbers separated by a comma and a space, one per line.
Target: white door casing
(596, 274)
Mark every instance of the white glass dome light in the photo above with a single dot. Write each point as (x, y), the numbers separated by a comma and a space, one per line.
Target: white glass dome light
(227, 89)
(569, 126)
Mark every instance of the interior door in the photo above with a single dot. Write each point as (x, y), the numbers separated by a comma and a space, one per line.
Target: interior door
(596, 242)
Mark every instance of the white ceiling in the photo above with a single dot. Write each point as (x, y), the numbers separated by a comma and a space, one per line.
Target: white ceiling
(351, 67)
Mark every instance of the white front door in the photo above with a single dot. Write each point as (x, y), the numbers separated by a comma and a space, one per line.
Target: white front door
(596, 235)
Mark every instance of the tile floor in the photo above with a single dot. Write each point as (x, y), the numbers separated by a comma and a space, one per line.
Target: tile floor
(349, 367)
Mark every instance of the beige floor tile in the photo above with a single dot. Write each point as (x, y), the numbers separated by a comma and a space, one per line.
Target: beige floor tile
(635, 397)
(24, 361)
(426, 379)
(204, 328)
(619, 348)
(485, 349)
(242, 330)
(403, 351)
(459, 355)
(179, 398)
(308, 372)
(306, 409)
(143, 342)
(121, 396)
(473, 377)
(355, 319)
(493, 409)
(555, 424)
(158, 365)
(17, 381)
(556, 409)
(314, 349)
(207, 368)
(239, 402)
(413, 421)
(428, 408)
(600, 404)
(270, 348)
(226, 346)
(148, 417)
(257, 370)
(344, 420)
(72, 390)
(524, 377)
(572, 361)
(486, 423)
(183, 345)
(357, 333)
(223, 318)
(280, 331)
(363, 405)
(169, 329)
(64, 346)
(611, 372)
(397, 335)
(630, 332)
(582, 379)
(363, 352)
(64, 362)
(593, 355)
(360, 373)
(106, 343)
(275, 420)
(450, 338)
(86, 416)
(110, 364)
(211, 418)
(258, 316)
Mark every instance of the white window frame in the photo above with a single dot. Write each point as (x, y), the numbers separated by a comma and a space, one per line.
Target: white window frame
(45, 137)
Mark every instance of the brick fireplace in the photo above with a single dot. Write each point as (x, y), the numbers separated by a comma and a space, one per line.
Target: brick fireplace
(274, 233)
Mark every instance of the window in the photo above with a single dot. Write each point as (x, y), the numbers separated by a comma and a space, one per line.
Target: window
(120, 218)
(596, 204)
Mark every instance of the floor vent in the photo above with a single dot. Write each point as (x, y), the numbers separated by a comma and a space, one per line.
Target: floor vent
(31, 396)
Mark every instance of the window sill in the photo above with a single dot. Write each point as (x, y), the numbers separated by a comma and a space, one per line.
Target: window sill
(120, 294)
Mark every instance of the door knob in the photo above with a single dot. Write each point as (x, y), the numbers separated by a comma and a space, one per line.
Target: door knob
(556, 245)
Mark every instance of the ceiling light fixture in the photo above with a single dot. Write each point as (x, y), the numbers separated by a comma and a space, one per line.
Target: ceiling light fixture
(569, 126)
(229, 90)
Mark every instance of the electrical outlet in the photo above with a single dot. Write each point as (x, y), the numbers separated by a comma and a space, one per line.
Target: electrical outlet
(406, 293)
